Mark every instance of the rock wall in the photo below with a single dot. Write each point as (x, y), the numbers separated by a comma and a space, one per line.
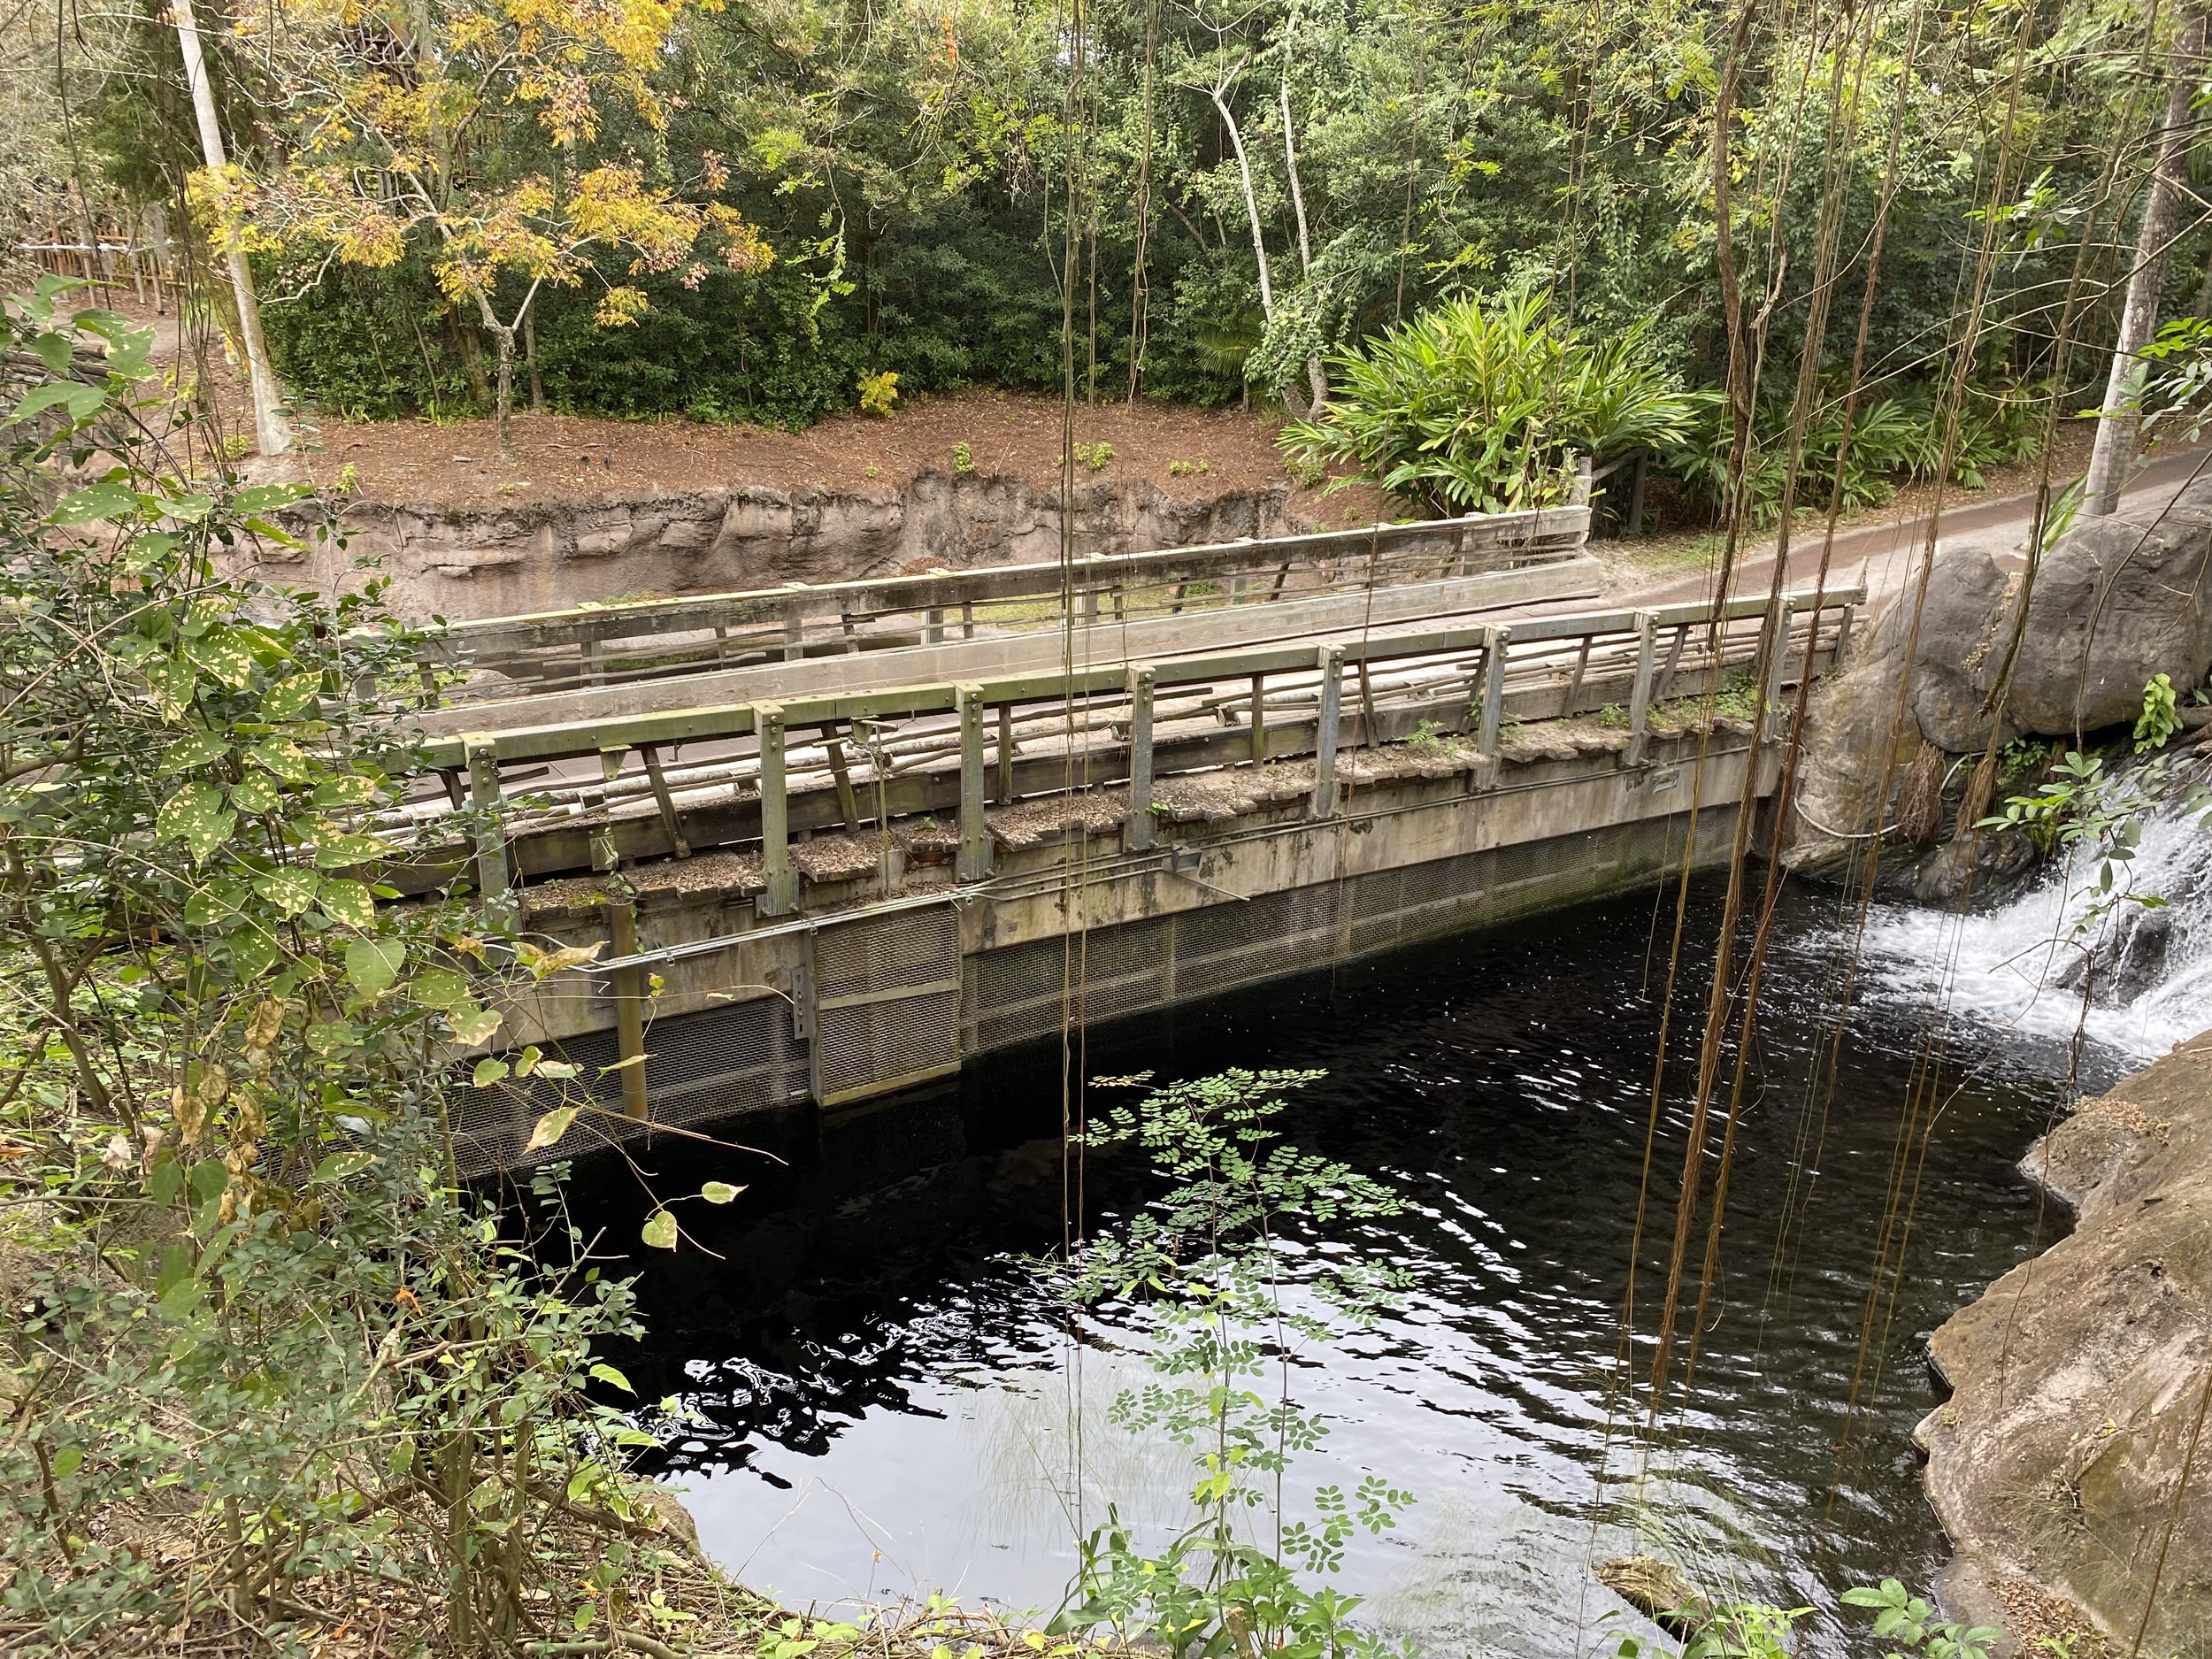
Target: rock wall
(549, 554)
(2081, 1378)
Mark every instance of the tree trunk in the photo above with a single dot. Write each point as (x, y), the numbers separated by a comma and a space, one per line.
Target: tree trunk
(1314, 377)
(505, 335)
(530, 359)
(1252, 217)
(2114, 456)
(272, 428)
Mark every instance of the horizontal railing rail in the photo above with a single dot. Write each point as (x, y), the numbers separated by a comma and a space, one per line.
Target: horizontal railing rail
(643, 638)
(1025, 735)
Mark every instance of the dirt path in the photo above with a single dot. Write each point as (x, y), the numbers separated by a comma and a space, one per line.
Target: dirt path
(1888, 550)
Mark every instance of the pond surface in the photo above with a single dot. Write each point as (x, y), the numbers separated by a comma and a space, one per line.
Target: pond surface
(885, 1401)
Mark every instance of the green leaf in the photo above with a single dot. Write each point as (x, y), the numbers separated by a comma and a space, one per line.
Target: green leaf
(438, 988)
(550, 1128)
(53, 350)
(720, 1192)
(331, 1036)
(195, 816)
(252, 954)
(224, 656)
(559, 1070)
(290, 890)
(608, 1374)
(200, 748)
(168, 1178)
(352, 789)
(177, 1266)
(374, 964)
(285, 758)
(290, 697)
(266, 497)
(173, 683)
(659, 1229)
(472, 1025)
(254, 794)
(94, 503)
(347, 903)
(342, 852)
(489, 1071)
(81, 401)
(339, 1165)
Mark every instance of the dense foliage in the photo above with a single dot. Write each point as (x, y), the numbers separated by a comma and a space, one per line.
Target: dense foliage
(1228, 198)
(269, 1358)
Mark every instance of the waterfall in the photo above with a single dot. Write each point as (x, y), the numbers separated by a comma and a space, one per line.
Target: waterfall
(2022, 964)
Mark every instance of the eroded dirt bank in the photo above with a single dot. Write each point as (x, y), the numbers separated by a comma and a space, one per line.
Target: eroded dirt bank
(597, 510)
(2071, 1460)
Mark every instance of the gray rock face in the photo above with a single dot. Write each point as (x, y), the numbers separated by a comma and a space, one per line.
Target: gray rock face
(523, 558)
(1846, 775)
(2067, 1455)
(1960, 647)
(2117, 601)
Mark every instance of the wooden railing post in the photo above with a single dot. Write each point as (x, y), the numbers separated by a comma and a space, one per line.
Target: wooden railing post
(492, 876)
(1259, 719)
(606, 856)
(629, 1010)
(1639, 699)
(1325, 731)
(1494, 646)
(1138, 836)
(974, 862)
(1004, 793)
(1778, 663)
(781, 898)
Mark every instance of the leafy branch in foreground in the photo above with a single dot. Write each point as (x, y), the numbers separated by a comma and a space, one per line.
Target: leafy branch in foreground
(268, 1369)
(1226, 1301)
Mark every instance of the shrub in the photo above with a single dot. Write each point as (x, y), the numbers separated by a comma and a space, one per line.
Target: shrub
(1486, 406)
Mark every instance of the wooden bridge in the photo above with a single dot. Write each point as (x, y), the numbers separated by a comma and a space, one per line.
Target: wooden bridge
(856, 833)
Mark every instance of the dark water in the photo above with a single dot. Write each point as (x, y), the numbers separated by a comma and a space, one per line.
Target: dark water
(883, 1401)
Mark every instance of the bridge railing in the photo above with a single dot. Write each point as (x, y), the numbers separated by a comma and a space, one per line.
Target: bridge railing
(761, 773)
(599, 644)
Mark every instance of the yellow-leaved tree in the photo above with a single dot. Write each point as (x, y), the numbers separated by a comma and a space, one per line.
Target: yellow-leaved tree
(473, 129)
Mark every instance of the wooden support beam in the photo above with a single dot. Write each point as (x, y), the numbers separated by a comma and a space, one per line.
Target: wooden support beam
(1138, 836)
(847, 803)
(1325, 731)
(493, 883)
(1674, 661)
(1574, 683)
(1639, 698)
(651, 755)
(793, 637)
(782, 879)
(1259, 719)
(1366, 707)
(974, 863)
(629, 1007)
(1004, 793)
(933, 626)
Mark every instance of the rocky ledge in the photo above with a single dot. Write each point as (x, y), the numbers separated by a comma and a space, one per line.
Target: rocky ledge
(545, 555)
(2072, 1458)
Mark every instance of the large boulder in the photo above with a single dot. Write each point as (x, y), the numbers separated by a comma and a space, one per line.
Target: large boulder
(2116, 601)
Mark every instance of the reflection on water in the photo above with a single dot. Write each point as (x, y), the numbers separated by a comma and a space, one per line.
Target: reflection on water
(883, 1401)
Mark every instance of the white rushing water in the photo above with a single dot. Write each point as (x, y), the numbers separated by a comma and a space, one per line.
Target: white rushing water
(2020, 965)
